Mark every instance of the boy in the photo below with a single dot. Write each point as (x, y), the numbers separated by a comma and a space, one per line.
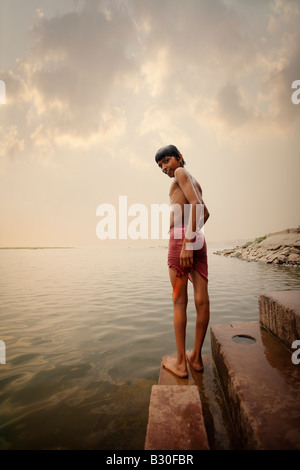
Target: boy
(187, 258)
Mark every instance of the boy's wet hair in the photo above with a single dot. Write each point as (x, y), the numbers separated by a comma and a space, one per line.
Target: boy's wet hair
(168, 151)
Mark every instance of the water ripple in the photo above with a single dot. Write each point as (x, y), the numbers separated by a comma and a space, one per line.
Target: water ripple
(85, 330)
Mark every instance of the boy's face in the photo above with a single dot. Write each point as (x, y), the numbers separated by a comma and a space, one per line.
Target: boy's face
(168, 165)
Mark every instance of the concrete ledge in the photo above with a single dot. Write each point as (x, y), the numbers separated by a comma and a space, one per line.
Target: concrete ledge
(214, 408)
(261, 385)
(175, 419)
(279, 312)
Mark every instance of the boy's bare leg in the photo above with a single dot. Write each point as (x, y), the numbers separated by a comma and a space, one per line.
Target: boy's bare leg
(178, 365)
(202, 308)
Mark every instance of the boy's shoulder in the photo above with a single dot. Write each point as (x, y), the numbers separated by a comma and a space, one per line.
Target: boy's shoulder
(181, 175)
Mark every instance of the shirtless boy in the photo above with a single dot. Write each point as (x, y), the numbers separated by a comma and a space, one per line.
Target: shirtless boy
(187, 259)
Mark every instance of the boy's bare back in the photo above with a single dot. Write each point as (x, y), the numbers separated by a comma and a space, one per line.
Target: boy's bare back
(180, 197)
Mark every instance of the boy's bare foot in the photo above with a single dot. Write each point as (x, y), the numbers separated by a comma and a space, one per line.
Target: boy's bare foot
(180, 370)
(195, 362)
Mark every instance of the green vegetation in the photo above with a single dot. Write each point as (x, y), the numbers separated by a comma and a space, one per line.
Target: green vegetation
(257, 240)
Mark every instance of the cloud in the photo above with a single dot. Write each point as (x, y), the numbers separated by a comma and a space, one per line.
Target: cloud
(231, 107)
(166, 126)
(72, 80)
(283, 12)
(91, 74)
(282, 63)
(10, 142)
(220, 68)
(16, 87)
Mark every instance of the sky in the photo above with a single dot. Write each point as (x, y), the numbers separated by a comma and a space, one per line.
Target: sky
(94, 88)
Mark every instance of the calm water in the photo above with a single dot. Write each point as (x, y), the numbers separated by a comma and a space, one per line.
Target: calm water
(85, 330)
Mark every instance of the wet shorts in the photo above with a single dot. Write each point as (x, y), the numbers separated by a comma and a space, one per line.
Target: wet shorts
(199, 256)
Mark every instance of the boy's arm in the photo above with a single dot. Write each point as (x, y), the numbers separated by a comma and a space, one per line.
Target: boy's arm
(206, 213)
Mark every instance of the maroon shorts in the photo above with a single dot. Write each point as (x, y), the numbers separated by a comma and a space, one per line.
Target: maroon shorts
(199, 255)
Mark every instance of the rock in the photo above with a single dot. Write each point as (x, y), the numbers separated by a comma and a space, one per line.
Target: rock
(274, 248)
(294, 258)
(281, 258)
(228, 252)
(289, 238)
(175, 419)
(295, 249)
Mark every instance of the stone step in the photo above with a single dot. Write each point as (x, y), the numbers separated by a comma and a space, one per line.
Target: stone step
(260, 383)
(279, 312)
(214, 407)
(175, 419)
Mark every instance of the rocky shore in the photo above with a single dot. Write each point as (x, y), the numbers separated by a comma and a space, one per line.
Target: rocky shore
(274, 248)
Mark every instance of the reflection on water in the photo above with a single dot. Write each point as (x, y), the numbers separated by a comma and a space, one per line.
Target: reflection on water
(85, 330)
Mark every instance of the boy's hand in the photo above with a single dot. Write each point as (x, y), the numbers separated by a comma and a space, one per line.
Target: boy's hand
(186, 257)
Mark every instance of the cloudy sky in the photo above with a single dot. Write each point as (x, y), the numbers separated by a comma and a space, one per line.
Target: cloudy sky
(94, 88)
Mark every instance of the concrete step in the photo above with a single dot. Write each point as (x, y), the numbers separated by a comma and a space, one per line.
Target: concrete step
(279, 312)
(214, 408)
(260, 383)
(175, 419)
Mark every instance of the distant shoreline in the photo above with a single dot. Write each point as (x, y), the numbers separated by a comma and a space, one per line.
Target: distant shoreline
(34, 247)
(275, 248)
